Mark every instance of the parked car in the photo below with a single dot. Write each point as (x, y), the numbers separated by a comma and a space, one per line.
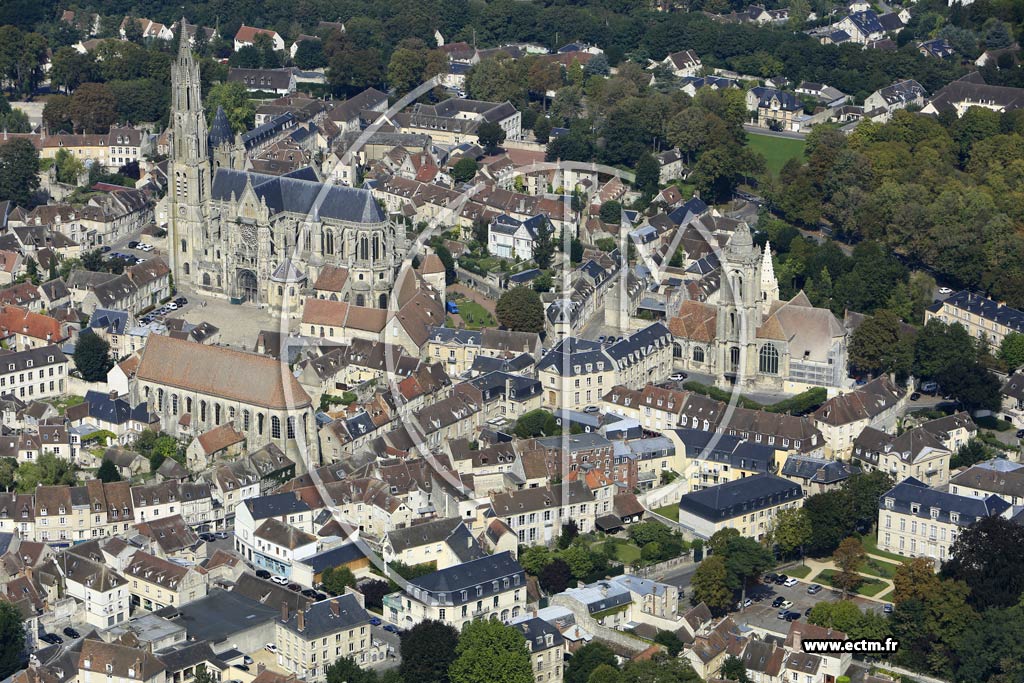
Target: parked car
(888, 608)
(1020, 433)
(51, 638)
(814, 589)
(452, 307)
(600, 340)
(929, 387)
(247, 660)
(374, 621)
(243, 667)
(792, 616)
(786, 604)
(263, 573)
(294, 587)
(807, 612)
(391, 628)
(781, 579)
(770, 577)
(309, 593)
(746, 603)
(914, 396)
(181, 301)
(678, 376)
(206, 537)
(71, 633)
(782, 614)
(777, 602)
(321, 596)
(104, 249)
(279, 579)
(270, 647)
(591, 409)
(221, 534)
(790, 582)
(945, 290)
(133, 244)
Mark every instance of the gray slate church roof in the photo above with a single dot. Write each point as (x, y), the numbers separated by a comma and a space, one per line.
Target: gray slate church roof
(285, 194)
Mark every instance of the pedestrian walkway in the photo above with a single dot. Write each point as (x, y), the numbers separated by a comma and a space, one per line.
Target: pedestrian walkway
(817, 566)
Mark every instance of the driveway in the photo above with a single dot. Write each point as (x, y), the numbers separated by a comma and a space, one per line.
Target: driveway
(763, 615)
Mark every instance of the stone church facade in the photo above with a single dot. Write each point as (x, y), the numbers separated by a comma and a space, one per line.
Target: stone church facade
(260, 239)
(745, 337)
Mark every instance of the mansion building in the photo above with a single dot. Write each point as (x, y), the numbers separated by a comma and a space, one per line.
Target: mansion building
(739, 331)
(258, 238)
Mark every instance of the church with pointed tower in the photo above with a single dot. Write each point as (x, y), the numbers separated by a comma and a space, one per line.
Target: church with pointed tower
(261, 239)
(744, 336)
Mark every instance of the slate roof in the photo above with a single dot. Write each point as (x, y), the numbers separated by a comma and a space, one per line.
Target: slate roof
(220, 129)
(818, 470)
(276, 505)
(328, 616)
(966, 91)
(300, 197)
(116, 411)
(488, 573)
(912, 491)
(741, 496)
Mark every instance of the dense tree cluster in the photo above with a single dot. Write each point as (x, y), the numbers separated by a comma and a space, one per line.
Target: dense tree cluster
(840, 513)
(941, 192)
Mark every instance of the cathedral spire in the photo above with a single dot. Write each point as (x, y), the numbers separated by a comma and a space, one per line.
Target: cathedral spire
(769, 284)
(184, 47)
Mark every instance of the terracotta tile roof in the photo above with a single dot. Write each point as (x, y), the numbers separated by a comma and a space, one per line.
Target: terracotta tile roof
(324, 312)
(431, 264)
(219, 438)
(331, 279)
(696, 321)
(219, 371)
(15, 320)
(247, 34)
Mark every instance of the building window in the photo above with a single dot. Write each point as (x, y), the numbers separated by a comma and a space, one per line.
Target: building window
(291, 427)
(275, 427)
(698, 354)
(768, 360)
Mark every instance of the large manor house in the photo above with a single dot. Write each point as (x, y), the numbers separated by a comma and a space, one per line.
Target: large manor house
(256, 238)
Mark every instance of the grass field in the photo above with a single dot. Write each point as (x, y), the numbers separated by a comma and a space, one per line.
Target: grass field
(474, 315)
(885, 570)
(888, 596)
(870, 542)
(776, 151)
(798, 572)
(869, 586)
(669, 511)
(626, 553)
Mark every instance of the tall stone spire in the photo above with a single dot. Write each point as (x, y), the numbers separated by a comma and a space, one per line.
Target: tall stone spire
(769, 284)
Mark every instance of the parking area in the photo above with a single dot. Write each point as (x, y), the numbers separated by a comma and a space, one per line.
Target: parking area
(761, 613)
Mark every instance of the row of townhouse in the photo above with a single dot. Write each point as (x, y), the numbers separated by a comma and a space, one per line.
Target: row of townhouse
(577, 372)
(62, 515)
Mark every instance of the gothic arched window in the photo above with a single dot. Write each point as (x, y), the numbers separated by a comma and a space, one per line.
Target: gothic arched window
(768, 360)
(698, 354)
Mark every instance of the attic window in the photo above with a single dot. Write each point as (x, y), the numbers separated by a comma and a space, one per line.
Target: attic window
(110, 667)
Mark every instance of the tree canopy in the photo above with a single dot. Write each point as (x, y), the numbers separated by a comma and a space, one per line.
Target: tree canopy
(520, 309)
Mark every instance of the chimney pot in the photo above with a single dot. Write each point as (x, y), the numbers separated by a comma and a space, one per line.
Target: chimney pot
(300, 620)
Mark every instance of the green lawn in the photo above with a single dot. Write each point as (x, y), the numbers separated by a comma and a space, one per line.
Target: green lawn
(798, 572)
(474, 315)
(65, 402)
(885, 570)
(669, 511)
(869, 587)
(626, 553)
(888, 597)
(776, 151)
(870, 542)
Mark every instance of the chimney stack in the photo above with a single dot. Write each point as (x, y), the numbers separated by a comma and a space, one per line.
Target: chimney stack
(284, 612)
(300, 620)
(798, 640)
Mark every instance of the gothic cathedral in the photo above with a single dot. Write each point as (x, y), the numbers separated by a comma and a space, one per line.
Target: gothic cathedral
(261, 239)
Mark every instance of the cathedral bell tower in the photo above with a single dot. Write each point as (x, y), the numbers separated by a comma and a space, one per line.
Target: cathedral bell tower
(740, 309)
(189, 176)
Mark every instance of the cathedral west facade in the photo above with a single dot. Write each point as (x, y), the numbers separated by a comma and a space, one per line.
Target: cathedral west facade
(260, 239)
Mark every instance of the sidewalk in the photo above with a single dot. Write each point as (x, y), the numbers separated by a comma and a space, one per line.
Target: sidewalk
(817, 566)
